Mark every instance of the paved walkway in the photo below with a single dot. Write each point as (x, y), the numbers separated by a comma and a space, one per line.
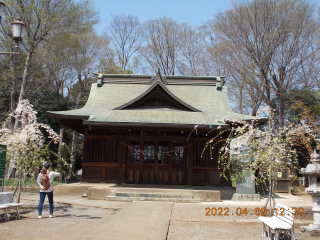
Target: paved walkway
(166, 220)
(139, 220)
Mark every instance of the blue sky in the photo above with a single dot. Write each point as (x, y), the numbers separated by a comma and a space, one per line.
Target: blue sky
(193, 12)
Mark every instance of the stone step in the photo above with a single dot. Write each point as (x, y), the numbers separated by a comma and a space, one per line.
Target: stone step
(131, 199)
(153, 195)
(149, 190)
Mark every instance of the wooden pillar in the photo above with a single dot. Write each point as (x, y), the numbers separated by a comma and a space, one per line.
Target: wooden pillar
(170, 162)
(85, 148)
(190, 163)
(85, 157)
(184, 168)
(84, 174)
(141, 162)
(103, 173)
(156, 160)
(121, 149)
(127, 164)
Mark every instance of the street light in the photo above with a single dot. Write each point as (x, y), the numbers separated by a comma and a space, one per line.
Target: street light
(18, 29)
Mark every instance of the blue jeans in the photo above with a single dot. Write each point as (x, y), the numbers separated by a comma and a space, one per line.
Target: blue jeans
(42, 197)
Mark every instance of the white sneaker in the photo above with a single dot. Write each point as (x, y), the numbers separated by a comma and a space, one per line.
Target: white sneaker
(52, 216)
(39, 216)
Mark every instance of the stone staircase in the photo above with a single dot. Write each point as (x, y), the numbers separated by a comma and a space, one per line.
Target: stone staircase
(165, 195)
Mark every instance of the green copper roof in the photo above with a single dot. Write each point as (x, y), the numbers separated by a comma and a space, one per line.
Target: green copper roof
(204, 94)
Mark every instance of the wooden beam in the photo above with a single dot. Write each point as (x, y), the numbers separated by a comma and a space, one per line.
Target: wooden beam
(156, 138)
(93, 164)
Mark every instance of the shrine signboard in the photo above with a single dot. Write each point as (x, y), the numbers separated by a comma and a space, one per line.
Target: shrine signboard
(246, 184)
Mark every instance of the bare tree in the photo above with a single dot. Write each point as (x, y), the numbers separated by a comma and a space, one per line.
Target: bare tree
(162, 44)
(191, 51)
(279, 38)
(85, 54)
(243, 85)
(126, 37)
(207, 33)
(54, 56)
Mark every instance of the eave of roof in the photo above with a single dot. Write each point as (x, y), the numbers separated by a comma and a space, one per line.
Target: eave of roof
(154, 125)
(205, 96)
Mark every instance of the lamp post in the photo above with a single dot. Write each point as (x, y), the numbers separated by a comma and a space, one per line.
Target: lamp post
(18, 29)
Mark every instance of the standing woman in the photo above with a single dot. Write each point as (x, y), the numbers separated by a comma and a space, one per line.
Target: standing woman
(46, 190)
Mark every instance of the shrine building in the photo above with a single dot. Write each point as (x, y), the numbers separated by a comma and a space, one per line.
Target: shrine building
(141, 129)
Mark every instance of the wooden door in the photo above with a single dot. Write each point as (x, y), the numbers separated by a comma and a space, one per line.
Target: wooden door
(149, 162)
(156, 162)
(163, 157)
(178, 163)
(133, 162)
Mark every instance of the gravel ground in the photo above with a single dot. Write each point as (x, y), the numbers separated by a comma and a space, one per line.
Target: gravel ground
(222, 231)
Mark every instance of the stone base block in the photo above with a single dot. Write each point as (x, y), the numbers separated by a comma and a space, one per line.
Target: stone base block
(70, 189)
(99, 193)
(246, 197)
(312, 229)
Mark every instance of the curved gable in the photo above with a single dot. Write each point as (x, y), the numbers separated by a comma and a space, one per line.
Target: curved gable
(157, 96)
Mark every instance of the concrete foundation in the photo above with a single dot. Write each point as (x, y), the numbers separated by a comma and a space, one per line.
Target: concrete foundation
(74, 189)
(138, 193)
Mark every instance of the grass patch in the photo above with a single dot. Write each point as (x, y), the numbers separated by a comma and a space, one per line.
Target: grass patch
(297, 189)
(234, 182)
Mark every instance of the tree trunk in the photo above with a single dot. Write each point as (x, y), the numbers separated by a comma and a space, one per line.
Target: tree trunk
(241, 99)
(60, 139)
(272, 185)
(19, 191)
(11, 170)
(12, 105)
(23, 85)
(60, 165)
(281, 110)
(75, 134)
(280, 96)
(74, 150)
(18, 187)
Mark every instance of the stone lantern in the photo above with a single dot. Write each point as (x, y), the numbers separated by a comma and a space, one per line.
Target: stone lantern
(313, 172)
